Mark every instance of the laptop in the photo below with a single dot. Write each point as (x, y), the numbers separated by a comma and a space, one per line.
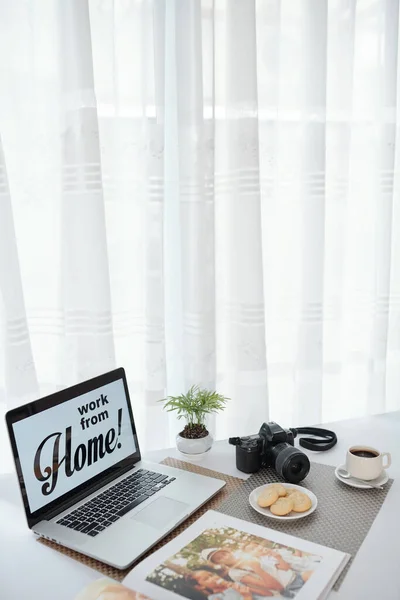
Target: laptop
(82, 480)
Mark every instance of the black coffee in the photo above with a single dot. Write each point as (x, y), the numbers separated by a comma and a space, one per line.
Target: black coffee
(364, 453)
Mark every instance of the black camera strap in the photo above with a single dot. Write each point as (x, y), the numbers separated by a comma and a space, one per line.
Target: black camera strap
(323, 440)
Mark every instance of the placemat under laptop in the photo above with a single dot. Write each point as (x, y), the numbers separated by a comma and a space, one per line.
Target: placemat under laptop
(342, 519)
(232, 484)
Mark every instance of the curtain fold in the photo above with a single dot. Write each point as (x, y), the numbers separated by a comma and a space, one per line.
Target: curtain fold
(88, 343)
(241, 361)
(18, 380)
(17, 375)
(204, 192)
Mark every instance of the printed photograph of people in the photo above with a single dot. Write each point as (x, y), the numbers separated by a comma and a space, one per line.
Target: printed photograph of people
(107, 589)
(227, 564)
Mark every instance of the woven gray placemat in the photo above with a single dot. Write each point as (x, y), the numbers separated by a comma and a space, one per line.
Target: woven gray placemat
(342, 519)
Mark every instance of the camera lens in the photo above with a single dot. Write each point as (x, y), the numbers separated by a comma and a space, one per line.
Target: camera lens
(292, 464)
(296, 468)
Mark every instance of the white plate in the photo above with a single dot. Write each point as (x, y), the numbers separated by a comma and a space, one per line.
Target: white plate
(381, 480)
(292, 516)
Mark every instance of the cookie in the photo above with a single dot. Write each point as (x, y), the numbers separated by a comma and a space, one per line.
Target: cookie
(301, 502)
(283, 506)
(290, 491)
(279, 488)
(267, 497)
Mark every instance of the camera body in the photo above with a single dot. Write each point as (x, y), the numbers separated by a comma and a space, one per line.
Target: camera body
(273, 447)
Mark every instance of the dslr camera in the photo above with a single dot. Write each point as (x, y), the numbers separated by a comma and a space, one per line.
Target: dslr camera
(272, 447)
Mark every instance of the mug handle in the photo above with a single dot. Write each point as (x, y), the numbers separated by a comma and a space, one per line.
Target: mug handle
(388, 459)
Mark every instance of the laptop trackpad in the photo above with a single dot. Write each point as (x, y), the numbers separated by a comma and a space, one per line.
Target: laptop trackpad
(160, 512)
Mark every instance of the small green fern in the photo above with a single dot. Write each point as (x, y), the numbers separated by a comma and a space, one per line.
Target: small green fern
(195, 404)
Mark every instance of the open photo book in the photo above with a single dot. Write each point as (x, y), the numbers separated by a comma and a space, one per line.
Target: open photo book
(223, 558)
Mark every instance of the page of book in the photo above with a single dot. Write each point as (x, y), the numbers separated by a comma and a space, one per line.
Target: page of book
(108, 589)
(224, 558)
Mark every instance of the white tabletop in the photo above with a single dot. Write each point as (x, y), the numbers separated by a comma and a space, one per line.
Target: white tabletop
(29, 570)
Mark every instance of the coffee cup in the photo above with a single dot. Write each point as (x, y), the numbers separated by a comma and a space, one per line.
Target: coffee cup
(366, 463)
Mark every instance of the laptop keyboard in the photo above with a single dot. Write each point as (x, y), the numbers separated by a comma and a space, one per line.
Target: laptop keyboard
(112, 504)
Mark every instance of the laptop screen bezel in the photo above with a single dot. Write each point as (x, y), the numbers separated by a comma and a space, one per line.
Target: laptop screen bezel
(91, 485)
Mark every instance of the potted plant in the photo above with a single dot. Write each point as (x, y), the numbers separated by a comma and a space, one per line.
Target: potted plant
(193, 406)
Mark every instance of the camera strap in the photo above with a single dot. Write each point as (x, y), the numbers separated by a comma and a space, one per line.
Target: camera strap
(324, 438)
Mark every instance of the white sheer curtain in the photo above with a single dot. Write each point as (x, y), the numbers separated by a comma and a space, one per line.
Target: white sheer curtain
(203, 192)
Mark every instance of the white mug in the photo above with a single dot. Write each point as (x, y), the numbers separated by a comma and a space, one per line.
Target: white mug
(366, 463)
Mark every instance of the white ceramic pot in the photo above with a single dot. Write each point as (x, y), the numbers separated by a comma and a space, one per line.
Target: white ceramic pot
(194, 447)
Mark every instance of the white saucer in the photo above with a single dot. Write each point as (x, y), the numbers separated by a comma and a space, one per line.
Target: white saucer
(291, 516)
(381, 480)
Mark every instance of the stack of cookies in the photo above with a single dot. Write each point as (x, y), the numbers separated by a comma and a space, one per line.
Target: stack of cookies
(281, 500)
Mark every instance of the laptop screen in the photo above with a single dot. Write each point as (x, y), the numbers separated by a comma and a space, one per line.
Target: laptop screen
(65, 445)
